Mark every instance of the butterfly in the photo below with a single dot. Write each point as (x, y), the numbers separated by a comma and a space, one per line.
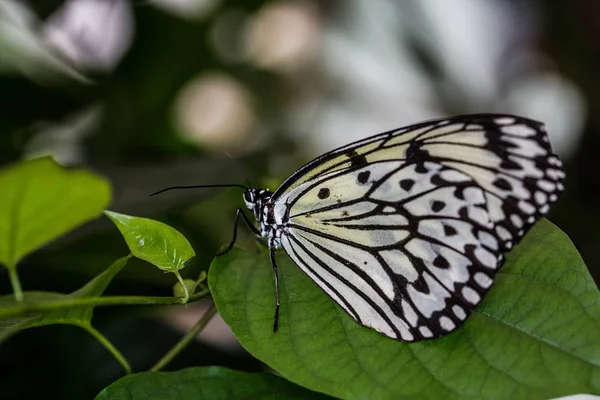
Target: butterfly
(405, 230)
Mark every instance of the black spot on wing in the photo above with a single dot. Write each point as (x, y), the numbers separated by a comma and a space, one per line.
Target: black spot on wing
(441, 262)
(356, 160)
(509, 165)
(449, 230)
(363, 177)
(437, 205)
(420, 285)
(407, 184)
(323, 193)
(503, 184)
(420, 168)
(438, 181)
(416, 153)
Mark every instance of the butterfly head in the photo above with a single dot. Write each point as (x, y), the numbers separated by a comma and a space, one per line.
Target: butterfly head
(251, 198)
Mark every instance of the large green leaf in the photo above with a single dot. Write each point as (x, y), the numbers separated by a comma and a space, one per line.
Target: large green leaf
(39, 201)
(79, 316)
(536, 334)
(153, 241)
(212, 383)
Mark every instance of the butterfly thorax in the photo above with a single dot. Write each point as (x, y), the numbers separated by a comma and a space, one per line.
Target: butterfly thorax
(259, 202)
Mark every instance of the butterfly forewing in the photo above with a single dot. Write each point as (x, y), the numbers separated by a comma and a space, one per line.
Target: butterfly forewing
(405, 230)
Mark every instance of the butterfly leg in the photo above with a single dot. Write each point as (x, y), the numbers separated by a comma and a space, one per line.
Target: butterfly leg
(235, 225)
(274, 265)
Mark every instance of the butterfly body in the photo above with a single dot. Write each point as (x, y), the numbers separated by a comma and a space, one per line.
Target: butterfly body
(406, 230)
(259, 202)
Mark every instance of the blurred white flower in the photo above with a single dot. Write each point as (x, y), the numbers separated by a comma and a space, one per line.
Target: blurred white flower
(215, 111)
(93, 34)
(282, 35)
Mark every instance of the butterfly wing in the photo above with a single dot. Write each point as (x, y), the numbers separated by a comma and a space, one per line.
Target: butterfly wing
(410, 260)
(405, 230)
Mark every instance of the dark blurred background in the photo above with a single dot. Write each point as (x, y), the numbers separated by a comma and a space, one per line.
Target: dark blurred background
(154, 93)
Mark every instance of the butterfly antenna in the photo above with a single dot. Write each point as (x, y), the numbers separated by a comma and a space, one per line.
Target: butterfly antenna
(199, 187)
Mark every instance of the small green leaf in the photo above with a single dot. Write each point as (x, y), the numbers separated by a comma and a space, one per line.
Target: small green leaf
(536, 335)
(211, 383)
(153, 241)
(80, 316)
(179, 291)
(40, 201)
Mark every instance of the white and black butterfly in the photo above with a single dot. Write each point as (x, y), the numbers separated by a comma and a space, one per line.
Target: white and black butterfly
(405, 230)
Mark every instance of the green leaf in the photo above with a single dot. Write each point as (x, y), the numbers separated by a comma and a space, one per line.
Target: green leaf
(536, 334)
(213, 383)
(40, 201)
(80, 316)
(153, 241)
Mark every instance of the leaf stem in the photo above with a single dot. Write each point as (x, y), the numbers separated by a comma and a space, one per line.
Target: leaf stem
(97, 301)
(16, 283)
(109, 346)
(186, 297)
(196, 329)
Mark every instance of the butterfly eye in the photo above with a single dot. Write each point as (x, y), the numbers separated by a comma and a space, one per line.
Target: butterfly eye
(249, 199)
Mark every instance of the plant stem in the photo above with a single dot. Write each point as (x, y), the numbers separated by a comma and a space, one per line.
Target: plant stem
(15, 282)
(109, 346)
(97, 301)
(196, 329)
